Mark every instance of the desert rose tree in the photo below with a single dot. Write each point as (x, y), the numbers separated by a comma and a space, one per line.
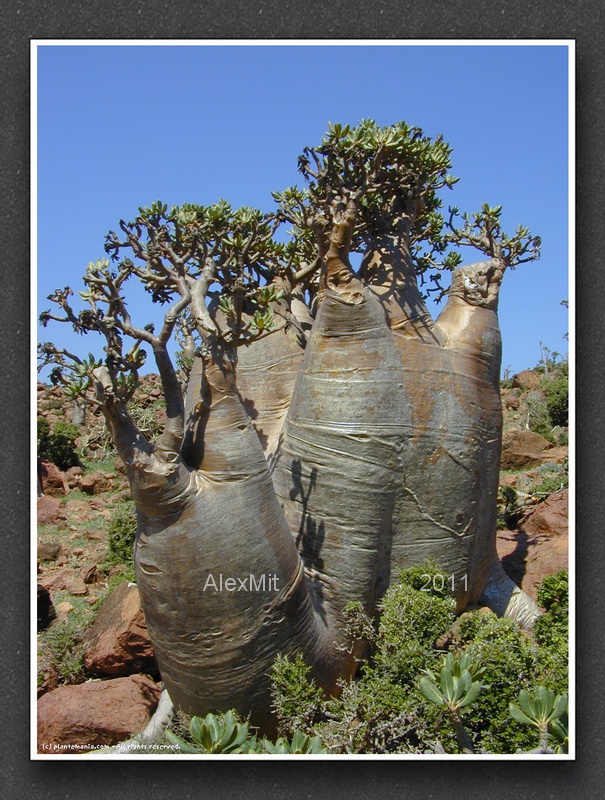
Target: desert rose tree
(329, 433)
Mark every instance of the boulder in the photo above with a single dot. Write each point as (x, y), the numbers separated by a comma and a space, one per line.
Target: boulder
(527, 380)
(95, 483)
(523, 449)
(512, 402)
(50, 510)
(118, 643)
(76, 719)
(50, 551)
(72, 474)
(89, 573)
(540, 546)
(549, 517)
(54, 482)
(46, 611)
(66, 580)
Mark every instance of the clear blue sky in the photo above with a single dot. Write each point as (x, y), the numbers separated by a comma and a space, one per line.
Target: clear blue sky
(121, 126)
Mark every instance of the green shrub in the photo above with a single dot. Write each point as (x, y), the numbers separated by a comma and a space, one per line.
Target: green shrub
(509, 659)
(556, 390)
(411, 621)
(554, 591)
(296, 699)
(538, 418)
(551, 632)
(61, 645)
(58, 445)
(121, 534)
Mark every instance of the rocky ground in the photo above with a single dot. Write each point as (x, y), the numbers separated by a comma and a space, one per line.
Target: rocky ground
(98, 682)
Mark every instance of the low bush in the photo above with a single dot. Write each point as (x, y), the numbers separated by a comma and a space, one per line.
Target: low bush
(121, 534)
(59, 444)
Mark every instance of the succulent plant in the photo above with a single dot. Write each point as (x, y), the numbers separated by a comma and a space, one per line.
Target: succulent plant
(214, 734)
(547, 712)
(457, 686)
(300, 743)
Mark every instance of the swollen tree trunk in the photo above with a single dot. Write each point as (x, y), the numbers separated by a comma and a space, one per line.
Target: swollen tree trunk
(221, 583)
(449, 462)
(334, 472)
(266, 374)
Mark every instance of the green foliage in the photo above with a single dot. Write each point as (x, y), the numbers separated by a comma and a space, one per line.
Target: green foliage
(412, 619)
(300, 743)
(540, 708)
(61, 646)
(296, 698)
(554, 591)
(510, 662)
(538, 418)
(121, 534)
(382, 709)
(227, 734)
(215, 734)
(59, 444)
(457, 685)
(551, 632)
(543, 710)
(557, 396)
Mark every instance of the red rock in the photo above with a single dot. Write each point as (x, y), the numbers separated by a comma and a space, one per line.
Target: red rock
(512, 402)
(50, 551)
(118, 643)
(89, 573)
(73, 719)
(65, 579)
(54, 481)
(548, 518)
(94, 483)
(540, 546)
(527, 380)
(556, 455)
(72, 474)
(49, 510)
(522, 449)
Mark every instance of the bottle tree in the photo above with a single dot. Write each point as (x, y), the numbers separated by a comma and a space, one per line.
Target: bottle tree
(322, 430)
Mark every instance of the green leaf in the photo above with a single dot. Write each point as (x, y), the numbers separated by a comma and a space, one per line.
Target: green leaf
(183, 746)
(517, 714)
(428, 689)
(472, 694)
(195, 729)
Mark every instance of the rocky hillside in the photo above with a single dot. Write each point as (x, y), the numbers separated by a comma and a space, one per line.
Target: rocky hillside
(97, 678)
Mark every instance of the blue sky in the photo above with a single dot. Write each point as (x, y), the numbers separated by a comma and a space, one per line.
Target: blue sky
(121, 126)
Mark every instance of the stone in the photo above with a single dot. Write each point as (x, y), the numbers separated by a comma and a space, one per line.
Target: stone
(50, 510)
(50, 551)
(556, 455)
(89, 573)
(527, 380)
(66, 580)
(95, 483)
(72, 475)
(46, 611)
(54, 481)
(63, 610)
(540, 546)
(522, 449)
(118, 643)
(511, 402)
(549, 517)
(77, 719)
